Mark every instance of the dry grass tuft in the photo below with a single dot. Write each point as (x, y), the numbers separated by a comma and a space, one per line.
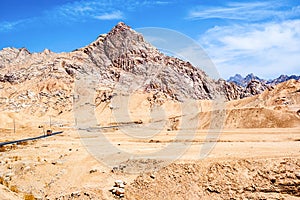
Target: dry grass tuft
(29, 197)
(3, 182)
(14, 188)
(2, 149)
(16, 158)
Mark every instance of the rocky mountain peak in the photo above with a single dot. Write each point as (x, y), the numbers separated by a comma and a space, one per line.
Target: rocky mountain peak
(119, 42)
(120, 27)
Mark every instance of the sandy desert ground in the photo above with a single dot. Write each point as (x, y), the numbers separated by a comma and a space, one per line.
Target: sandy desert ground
(59, 166)
(255, 154)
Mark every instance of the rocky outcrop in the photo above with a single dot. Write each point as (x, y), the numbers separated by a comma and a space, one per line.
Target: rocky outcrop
(255, 87)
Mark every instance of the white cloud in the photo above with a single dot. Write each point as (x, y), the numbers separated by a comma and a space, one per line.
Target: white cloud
(7, 26)
(251, 11)
(110, 16)
(266, 49)
(161, 2)
(80, 10)
(83, 10)
(99, 9)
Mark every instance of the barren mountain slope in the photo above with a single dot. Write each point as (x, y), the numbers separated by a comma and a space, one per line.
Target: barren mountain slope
(275, 108)
(40, 83)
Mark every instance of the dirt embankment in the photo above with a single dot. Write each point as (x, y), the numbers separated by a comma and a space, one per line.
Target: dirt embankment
(235, 179)
(260, 118)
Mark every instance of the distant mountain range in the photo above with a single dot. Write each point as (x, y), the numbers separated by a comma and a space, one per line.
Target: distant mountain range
(244, 81)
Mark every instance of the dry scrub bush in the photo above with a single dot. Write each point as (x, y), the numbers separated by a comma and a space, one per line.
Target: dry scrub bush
(2, 149)
(14, 188)
(3, 182)
(29, 197)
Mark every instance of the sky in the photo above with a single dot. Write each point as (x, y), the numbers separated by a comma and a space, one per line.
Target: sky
(260, 37)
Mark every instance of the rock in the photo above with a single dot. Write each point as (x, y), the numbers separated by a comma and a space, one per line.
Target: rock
(57, 162)
(6, 179)
(70, 71)
(11, 78)
(255, 87)
(75, 194)
(2, 79)
(86, 194)
(120, 191)
(93, 171)
(118, 183)
(113, 190)
(122, 167)
(297, 174)
(114, 169)
(152, 176)
(11, 174)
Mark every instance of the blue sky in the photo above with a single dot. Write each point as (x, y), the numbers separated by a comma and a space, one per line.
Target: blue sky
(262, 37)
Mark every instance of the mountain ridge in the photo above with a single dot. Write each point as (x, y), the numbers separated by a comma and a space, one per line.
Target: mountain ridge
(244, 81)
(120, 56)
